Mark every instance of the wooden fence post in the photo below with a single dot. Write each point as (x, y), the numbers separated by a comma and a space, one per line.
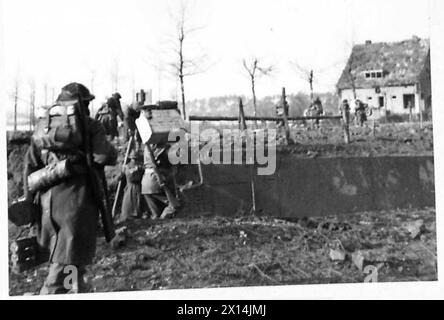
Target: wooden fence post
(374, 128)
(243, 128)
(285, 116)
(346, 125)
(242, 123)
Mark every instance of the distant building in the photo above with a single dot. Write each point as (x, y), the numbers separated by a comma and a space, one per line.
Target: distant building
(394, 76)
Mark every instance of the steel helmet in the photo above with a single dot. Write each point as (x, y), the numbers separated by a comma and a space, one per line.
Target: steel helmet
(72, 92)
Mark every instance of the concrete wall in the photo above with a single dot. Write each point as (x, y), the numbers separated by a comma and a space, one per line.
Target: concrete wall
(309, 187)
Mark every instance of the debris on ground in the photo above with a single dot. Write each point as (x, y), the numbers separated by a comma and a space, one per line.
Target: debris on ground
(257, 250)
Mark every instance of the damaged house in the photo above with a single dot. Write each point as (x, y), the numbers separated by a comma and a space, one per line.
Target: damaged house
(394, 77)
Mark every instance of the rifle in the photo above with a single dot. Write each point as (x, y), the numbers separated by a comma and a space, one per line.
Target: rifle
(172, 200)
(96, 179)
(119, 186)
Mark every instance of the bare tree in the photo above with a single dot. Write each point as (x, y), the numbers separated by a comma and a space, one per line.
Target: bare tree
(350, 65)
(31, 104)
(185, 64)
(92, 78)
(255, 69)
(115, 75)
(45, 89)
(306, 75)
(16, 92)
(351, 74)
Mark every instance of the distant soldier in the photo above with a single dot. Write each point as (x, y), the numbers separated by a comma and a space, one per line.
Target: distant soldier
(280, 111)
(69, 212)
(108, 113)
(132, 112)
(153, 193)
(314, 110)
(360, 112)
(318, 109)
(318, 106)
(131, 203)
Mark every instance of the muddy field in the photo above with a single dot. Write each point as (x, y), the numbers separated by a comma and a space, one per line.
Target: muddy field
(250, 251)
(218, 252)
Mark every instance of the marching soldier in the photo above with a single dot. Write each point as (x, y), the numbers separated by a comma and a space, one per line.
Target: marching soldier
(108, 113)
(318, 109)
(360, 112)
(155, 196)
(69, 212)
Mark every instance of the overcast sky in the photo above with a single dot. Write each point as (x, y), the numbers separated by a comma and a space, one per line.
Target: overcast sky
(59, 41)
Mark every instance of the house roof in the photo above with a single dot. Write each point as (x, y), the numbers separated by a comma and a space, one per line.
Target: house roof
(401, 62)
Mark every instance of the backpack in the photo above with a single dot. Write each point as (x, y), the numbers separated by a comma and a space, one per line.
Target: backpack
(104, 109)
(58, 129)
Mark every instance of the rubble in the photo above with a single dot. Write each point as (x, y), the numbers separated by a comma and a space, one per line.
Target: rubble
(415, 228)
(337, 255)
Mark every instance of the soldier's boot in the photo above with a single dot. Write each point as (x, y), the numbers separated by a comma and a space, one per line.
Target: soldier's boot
(64, 279)
(168, 212)
(153, 206)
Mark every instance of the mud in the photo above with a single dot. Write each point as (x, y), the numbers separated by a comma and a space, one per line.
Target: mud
(251, 250)
(255, 251)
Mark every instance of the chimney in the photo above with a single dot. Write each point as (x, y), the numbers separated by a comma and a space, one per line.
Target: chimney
(368, 42)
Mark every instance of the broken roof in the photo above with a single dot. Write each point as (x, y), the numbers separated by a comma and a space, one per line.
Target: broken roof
(401, 63)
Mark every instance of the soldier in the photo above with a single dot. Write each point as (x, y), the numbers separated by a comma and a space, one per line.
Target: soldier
(131, 203)
(132, 112)
(69, 213)
(318, 109)
(318, 106)
(153, 193)
(108, 113)
(360, 112)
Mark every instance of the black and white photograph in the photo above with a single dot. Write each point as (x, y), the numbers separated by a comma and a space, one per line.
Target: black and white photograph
(205, 144)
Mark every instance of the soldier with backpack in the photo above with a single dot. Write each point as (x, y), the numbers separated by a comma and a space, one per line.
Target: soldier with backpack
(108, 113)
(360, 112)
(58, 177)
(132, 112)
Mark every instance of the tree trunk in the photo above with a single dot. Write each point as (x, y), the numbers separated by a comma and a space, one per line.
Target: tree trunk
(181, 75)
(15, 108)
(182, 88)
(311, 85)
(254, 96)
(254, 100)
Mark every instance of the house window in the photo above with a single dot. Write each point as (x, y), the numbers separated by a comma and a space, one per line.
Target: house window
(369, 98)
(393, 97)
(373, 74)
